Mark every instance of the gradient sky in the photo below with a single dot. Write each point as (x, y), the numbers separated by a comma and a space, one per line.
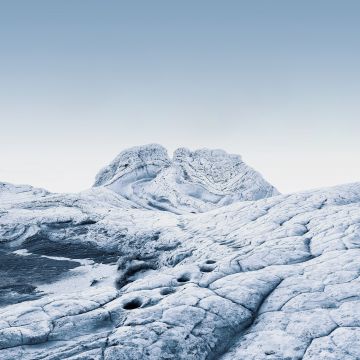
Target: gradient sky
(275, 81)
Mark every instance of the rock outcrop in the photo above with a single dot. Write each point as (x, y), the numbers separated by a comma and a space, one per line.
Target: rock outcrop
(95, 275)
(193, 181)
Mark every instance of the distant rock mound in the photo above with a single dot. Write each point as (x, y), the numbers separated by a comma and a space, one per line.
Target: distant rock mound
(193, 181)
(11, 194)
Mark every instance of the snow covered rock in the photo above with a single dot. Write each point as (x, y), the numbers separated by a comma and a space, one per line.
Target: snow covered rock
(195, 181)
(11, 194)
(97, 276)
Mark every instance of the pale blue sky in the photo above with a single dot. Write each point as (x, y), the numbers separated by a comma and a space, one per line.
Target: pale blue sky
(275, 81)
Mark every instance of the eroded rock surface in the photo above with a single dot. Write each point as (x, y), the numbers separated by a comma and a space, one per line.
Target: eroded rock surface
(193, 181)
(274, 278)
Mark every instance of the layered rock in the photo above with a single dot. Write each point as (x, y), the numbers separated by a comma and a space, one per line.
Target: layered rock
(193, 181)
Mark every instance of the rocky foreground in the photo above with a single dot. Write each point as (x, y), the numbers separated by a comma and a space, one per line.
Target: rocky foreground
(195, 257)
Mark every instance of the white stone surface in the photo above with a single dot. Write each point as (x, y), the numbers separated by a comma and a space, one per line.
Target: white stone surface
(273, 278)
(193, 181)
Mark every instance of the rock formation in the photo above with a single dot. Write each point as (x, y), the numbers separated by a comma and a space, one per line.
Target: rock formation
(127, 270)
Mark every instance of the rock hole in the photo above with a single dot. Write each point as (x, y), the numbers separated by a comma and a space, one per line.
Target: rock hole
(210, 262)
(207, 268)
(167, 291)
(183, 278)
(88, 222)
(132, 304)
(269, 352)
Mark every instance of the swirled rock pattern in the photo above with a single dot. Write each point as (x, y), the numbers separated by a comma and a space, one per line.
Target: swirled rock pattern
(193, 181)
(96, 276)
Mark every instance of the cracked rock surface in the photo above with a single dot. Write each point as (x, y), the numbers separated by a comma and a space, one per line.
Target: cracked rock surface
(95, 275)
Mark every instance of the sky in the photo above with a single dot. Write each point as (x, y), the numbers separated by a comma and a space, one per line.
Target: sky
(275, 81)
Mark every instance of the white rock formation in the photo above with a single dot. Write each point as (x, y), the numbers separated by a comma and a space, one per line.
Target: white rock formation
(273, 278)
(195, 181)
(10, 194)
